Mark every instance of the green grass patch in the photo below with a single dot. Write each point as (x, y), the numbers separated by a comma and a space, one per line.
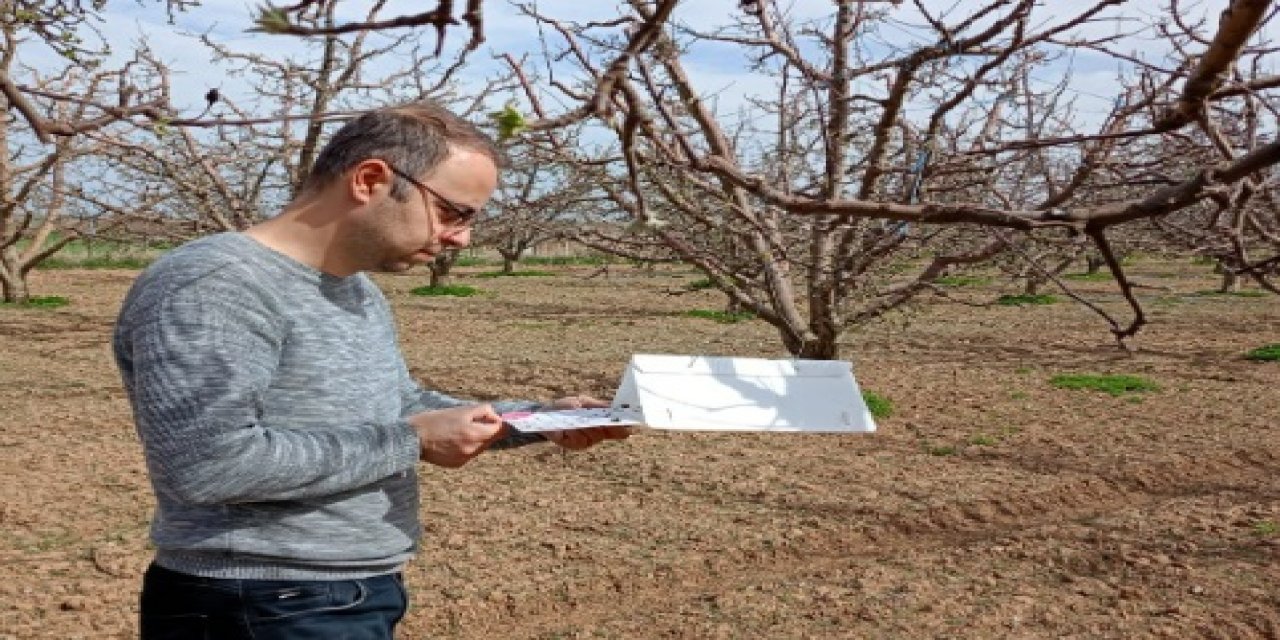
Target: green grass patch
(527, 273)
(97, 262)
(1268, 353)
(103, 254)
(983, 440)
(992, 438)
(700, 285)
(1097, 276)
(1116, 385)
(1265, 528)
(456, 290)
(941, 450)
(39, 302)
(723, 317)
(84, 246)
(1248, 293)
(566, 261)
(1017, 300)
(472, 261)
(963, 281)
(879, 406)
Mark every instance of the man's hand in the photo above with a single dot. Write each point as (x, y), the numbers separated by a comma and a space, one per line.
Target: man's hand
(452, 437)
(576, 402)
(583, 438)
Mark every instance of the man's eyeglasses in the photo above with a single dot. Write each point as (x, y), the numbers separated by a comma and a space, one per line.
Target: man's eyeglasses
(458, 216)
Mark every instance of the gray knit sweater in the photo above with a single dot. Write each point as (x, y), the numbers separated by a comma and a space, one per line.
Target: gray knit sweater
(271, 400)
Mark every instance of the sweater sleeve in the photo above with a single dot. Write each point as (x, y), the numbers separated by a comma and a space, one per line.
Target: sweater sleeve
(200, 365)
(417, 399)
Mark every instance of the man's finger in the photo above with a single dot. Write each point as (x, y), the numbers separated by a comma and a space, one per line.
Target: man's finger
(615, 433)
(484, 413)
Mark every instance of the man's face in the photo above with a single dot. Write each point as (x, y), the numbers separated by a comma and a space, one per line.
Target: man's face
(438, 212)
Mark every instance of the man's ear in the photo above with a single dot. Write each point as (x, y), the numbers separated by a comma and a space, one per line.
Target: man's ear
(368, 180)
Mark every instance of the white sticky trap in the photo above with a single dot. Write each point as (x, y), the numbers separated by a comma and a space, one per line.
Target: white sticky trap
(702, 393)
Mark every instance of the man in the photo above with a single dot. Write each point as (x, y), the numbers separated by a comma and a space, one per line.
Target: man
(280, 424)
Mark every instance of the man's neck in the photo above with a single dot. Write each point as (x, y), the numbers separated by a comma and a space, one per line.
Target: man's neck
(307, 233)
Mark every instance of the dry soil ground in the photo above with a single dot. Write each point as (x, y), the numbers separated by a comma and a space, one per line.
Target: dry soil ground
(990, 505)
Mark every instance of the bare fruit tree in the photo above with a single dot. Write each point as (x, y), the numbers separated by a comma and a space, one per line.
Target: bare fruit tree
(538, 199)
(69, 29)
(1236, 228)
(33, 224)
(339, 72)
(37, 180)
(230, 166)
(821, 205)
(56, 118)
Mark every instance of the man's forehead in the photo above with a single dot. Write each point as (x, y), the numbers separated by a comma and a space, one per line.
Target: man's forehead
(469, 154)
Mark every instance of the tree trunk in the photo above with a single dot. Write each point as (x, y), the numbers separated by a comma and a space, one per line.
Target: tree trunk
(1230, 281)
(508, 264)
(1095, 264)
(13, 280)
(13, 286)
(437, 278)
(441, 266)
(811, 347)
(820, 349)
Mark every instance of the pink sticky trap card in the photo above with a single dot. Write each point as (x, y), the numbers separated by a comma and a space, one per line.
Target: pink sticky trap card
(569, 419)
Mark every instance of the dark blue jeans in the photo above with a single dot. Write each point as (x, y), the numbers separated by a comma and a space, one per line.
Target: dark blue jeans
(180, 606)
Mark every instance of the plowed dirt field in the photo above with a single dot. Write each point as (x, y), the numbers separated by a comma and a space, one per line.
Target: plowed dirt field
(991, 504)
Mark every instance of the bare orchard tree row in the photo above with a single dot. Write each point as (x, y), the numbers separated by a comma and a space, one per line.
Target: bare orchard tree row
(123, 162)
(538, 200)
(36, 213)
(869, 155)
(885, 146)
(71, 30)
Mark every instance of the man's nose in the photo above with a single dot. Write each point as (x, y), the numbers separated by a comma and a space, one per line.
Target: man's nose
(456, 238)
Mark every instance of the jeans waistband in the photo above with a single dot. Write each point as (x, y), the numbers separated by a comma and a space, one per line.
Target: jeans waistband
(221, 565)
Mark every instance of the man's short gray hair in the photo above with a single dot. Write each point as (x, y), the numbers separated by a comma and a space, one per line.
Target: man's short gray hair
(414, 137)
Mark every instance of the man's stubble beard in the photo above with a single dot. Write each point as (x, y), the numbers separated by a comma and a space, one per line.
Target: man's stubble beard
(372, 243)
